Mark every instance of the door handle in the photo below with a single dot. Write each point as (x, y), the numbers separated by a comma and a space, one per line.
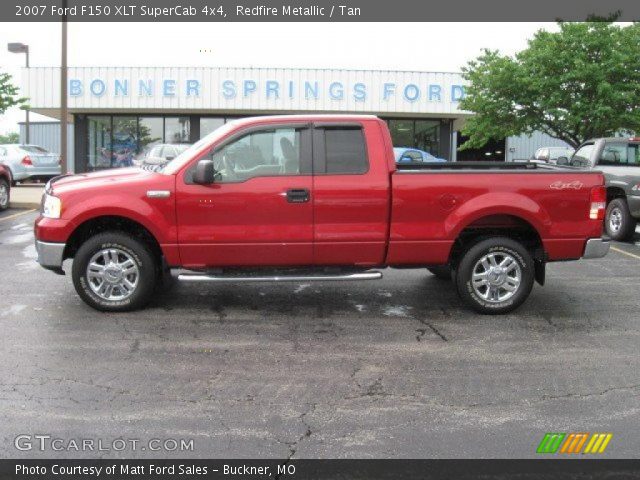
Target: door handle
(297, 195)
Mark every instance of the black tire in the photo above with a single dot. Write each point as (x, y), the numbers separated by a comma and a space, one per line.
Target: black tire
(618, 222)
(140, 254)
(441, 272)
(4, 201)
(500, 247)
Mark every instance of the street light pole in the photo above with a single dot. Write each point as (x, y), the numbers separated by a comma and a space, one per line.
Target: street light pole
(22, 48)
(63, 94)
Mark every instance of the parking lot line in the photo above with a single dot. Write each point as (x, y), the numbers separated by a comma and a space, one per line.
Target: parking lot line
(19, 214)
(625, 252)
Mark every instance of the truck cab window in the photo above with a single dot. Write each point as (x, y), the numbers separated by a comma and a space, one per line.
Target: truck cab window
(614, 154)
(260, 154)
(345, 151)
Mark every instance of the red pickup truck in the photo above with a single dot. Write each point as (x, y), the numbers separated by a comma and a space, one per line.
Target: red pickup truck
(316, 197)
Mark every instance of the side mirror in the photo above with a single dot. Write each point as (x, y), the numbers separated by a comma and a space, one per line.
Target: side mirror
(562, 161)
(405, 159)
(205, 173)
(169, 158)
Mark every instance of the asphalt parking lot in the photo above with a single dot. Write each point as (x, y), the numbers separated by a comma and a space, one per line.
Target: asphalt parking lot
(395, 368)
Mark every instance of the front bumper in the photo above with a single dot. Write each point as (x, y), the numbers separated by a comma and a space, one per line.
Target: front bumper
(596, 248)
(50, 255)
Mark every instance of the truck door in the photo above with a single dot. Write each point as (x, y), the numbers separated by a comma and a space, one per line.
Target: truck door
(350, 194)
(258, 211)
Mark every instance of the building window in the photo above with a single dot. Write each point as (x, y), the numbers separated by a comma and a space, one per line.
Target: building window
(427, 136)
(421, 134)
(401, 133)
(124, 143)
(209, 124)
(150, 133)
(176, 129)
(99, 142)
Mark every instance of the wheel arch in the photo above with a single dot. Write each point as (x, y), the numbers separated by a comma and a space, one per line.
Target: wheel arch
(510, 226)
(104, 223)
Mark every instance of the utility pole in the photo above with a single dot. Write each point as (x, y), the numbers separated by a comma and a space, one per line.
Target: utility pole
(63, 94)
(22, 48)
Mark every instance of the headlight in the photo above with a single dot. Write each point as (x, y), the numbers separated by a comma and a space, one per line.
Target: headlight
(51, 207)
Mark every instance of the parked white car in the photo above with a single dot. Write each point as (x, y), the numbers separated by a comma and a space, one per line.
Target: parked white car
(29, 162)
(551, 154)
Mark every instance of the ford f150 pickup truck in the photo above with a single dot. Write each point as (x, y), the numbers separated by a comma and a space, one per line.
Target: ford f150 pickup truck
(619, 159)
(316, 197)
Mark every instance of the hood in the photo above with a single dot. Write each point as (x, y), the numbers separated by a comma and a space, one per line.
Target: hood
(101, 179)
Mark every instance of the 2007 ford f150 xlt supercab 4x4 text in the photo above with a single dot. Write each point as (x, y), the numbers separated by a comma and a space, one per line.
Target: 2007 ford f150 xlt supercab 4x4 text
(316, 197)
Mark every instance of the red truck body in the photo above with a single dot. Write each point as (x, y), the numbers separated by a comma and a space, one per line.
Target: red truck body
(386, 216)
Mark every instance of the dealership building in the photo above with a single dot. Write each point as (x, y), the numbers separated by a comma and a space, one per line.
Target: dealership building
(118, 113)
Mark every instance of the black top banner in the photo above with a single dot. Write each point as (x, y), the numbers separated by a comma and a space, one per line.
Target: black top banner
(315, 10)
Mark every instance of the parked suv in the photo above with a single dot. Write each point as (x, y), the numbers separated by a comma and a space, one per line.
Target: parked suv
(619, 159)
(29, 161)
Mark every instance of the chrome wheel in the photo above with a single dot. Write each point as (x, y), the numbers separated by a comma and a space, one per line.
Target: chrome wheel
(4, 195)
(615, 220)
(113, 274)
(496, 277)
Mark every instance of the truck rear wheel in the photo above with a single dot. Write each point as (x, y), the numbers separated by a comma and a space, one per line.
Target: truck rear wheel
(495, 276)
(619, 223)
(114, 272)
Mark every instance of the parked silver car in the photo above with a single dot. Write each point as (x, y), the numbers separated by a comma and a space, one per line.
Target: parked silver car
(161, 154)
(29, 161)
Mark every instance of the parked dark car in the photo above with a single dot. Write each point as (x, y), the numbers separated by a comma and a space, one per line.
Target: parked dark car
(5, 187)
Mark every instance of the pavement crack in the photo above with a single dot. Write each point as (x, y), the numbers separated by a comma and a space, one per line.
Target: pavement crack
(423, 331)
(293, 446)
(593, 394)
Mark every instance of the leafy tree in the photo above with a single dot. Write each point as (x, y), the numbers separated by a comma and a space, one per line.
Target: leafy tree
(12, 137)
(9, 94)
(578, 83)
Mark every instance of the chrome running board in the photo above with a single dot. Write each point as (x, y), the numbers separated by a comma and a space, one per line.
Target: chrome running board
(203, 277)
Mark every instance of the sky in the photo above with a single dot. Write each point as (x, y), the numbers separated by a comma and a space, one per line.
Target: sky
(439, 47)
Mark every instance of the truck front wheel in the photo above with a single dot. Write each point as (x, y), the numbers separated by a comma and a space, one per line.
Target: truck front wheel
(114, 272)
(495, 275)
(619, 223)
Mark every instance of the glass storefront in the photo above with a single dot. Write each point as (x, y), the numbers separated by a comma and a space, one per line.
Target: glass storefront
(112, 141)
(115, 141)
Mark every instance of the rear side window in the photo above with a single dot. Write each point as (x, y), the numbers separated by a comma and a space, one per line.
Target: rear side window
(622, 154)
(345, 151)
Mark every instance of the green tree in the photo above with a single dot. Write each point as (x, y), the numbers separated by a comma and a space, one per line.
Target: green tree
(9, 94)
(578, 83)
(12, 137)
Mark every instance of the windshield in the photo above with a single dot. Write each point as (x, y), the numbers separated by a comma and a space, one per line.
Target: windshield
(187, 155)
